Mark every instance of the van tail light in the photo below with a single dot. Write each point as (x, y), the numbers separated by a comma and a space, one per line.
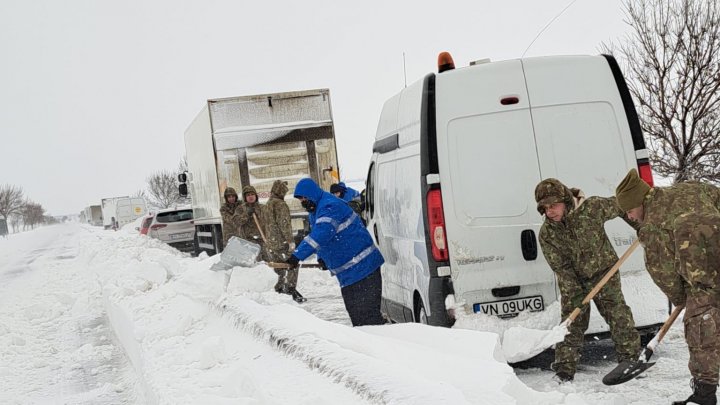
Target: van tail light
(157, 226)
(436, 219)
(645, 172)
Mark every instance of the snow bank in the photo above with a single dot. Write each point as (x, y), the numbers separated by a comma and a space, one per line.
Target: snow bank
(181, 325)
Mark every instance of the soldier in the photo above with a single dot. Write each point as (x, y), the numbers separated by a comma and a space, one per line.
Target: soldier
(680, 230)
(230, 215)
(577, 249)
(279, 241)
(249, 217)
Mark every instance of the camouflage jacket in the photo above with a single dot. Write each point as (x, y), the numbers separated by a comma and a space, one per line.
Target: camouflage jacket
(248, 227)
(230, 221)
(672, 215)
(577, 248)
(276, 219)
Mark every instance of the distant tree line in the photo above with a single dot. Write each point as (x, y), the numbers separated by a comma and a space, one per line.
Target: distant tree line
(18, 210)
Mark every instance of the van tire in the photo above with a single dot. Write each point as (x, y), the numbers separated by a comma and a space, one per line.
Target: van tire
(420, 312)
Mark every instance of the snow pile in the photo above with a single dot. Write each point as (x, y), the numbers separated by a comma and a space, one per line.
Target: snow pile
(520, 343)
(162, 305)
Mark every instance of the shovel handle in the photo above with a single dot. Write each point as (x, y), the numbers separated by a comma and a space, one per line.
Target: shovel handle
(614, 269)
(673, 316)
(257, 222)
(277, 265)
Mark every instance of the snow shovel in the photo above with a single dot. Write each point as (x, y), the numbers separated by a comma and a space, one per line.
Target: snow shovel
(629, 369)
(521, 343)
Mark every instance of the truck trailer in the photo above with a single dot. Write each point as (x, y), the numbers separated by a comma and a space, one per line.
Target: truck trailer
(92, 215)
(255, 140)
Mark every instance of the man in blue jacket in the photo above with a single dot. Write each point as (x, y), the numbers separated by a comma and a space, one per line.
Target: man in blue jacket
(339, 239)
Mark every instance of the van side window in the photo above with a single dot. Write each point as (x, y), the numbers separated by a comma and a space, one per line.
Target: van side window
(370, 193)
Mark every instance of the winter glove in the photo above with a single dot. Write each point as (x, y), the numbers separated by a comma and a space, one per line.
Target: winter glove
(293, 261)
(322, 264)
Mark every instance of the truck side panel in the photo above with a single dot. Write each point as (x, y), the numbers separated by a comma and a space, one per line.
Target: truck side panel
(203, 178)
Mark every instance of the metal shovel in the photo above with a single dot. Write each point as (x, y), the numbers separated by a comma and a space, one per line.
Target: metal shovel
(627, 370)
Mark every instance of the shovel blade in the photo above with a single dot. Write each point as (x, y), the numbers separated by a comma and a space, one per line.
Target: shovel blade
(240, 252)
(626, 371)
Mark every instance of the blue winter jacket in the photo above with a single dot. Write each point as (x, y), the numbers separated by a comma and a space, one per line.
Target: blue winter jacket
(337, 236)
(350, 193)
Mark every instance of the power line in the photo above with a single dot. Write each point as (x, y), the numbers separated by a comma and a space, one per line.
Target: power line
(547, 25)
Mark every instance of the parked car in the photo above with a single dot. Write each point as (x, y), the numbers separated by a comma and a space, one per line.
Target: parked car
(173, 226)
(145, 225)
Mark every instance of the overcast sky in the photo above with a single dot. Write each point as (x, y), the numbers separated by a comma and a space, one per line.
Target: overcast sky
(96, 94)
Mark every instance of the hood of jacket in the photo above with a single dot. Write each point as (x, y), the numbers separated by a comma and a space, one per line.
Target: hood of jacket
(230, 191)
(279, 189)
(551, 191)
(249, 190)
(309, 189)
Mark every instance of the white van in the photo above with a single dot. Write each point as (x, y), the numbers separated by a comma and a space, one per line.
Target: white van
(123, 209)
(450, 188)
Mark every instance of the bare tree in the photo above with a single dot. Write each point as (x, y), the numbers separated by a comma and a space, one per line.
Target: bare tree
(163, 189)
(672, 61)
(32, 214)
(140, 194)
(11, 200)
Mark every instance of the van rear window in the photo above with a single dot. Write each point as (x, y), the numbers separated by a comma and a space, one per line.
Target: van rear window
(174, 216)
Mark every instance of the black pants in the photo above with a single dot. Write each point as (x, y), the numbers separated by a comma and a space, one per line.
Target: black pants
(362, 300)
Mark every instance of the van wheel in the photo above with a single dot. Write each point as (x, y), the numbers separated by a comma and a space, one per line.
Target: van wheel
(420, 313)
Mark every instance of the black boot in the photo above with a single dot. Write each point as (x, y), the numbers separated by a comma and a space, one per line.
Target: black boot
(703, 394)
(297, 296)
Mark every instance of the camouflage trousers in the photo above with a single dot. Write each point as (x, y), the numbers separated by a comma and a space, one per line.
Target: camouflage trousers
(287, 278)
(697, 252)
(610, 302)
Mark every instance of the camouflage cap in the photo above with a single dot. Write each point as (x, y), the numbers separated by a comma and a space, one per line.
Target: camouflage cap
(249, 190)
(631, 191)
(551, 191)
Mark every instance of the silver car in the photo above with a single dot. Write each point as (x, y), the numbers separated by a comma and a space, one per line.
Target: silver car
(175, 227)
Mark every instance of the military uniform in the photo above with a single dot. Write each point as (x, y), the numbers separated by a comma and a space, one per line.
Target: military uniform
(230, 216)
(680, 232)
(579, 252)
(248, 227)
(277, 222)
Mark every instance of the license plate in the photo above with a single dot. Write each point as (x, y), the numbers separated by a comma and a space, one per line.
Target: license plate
(510, 308)
(180, 235)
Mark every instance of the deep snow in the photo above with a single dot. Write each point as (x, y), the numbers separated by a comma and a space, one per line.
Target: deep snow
(94, 316)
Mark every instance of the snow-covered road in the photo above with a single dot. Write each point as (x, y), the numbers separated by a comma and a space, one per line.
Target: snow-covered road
(55, 342)
(90, 316)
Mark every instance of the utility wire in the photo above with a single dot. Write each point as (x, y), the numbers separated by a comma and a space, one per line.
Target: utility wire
(547, 25)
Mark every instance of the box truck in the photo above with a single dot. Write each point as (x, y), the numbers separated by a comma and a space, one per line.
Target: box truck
(255, 140)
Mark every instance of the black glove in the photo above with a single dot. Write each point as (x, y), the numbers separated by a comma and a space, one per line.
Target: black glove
(322, 264)
(250, 210)
(293, 261)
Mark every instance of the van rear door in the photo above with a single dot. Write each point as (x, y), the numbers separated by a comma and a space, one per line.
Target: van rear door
(488, 167)
(583, 138)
